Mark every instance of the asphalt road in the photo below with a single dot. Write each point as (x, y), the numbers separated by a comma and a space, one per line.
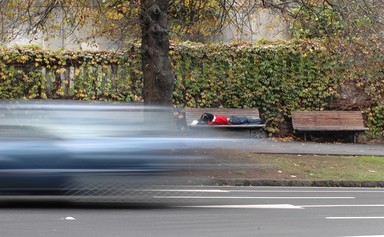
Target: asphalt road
(207, 211)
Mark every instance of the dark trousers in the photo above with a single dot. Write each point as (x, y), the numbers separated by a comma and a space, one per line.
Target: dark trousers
(244, 120)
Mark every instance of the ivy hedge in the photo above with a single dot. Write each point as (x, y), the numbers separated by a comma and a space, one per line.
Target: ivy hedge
(275, 78)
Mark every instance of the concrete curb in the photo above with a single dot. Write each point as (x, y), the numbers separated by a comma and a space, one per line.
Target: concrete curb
(299, 183)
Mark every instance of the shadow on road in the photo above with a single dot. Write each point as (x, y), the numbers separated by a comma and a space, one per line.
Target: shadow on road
(55, 203)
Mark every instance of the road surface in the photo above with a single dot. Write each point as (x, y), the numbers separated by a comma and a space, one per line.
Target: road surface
(207, 211)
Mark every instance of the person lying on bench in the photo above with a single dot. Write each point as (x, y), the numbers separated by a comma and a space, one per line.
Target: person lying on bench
(211, 119)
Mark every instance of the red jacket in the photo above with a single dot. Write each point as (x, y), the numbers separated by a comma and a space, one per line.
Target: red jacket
(219, 120)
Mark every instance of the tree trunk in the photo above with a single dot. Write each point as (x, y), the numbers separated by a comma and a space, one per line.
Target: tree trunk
(157, 68)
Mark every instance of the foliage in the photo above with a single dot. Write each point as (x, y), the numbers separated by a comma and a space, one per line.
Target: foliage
(276, 78)
(116, 20)
(36, 17)
(315, 20)
(188, 19)
(376, 121)
(344, 19)
(195, 19)
(353, 30)
(36, 73)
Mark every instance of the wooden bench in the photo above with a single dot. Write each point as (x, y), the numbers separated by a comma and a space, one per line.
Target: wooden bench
(320, 121)
(192, 114)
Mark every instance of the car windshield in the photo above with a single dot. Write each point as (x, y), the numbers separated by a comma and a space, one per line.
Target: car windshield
(84, 119)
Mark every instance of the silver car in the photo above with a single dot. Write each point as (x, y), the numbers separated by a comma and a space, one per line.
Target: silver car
(90, 149)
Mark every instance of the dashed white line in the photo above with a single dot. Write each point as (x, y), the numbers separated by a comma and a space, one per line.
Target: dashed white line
(187, 190)
(343, 205)
(353, 217)
(305, 191)
(265, 206)
(233, 197)
(365, 236)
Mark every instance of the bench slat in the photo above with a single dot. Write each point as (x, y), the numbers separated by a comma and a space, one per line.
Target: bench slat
(331, 129)
(328, 120)
(318, 121)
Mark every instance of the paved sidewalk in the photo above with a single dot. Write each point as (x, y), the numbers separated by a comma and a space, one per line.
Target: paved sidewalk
(239, 139)
(294, 147)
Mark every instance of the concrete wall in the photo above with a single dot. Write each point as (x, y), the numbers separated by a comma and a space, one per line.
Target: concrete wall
(62, 40)
(261, 25)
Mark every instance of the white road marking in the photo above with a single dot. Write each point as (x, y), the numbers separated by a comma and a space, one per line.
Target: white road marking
(266, 206)
(365, 236)
(306, 191)
(186, 190)
(343, 205)
(353, 217)
(221, 197)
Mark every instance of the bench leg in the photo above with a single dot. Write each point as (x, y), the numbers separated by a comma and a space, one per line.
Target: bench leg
(353, 134)
(252, 133)
(256, 133)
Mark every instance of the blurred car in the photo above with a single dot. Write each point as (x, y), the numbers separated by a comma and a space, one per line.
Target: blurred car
(87, 148)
